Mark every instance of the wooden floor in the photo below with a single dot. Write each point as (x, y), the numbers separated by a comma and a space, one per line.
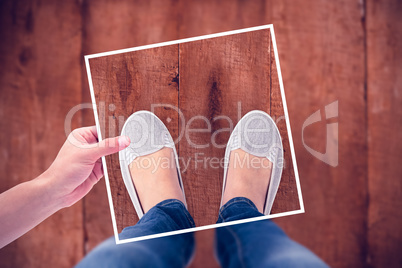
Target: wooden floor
(189, 85)
(329, 50)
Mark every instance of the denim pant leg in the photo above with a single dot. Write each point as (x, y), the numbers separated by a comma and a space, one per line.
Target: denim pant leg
(170, 251)
(257, 244)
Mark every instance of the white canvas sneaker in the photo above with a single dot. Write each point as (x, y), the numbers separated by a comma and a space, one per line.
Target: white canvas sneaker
(257, 134)
(148, 135)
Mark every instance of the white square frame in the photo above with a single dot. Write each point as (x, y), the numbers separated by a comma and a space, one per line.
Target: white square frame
(97, 55)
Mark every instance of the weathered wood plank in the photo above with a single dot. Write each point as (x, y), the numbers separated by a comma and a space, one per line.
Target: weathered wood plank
(209, 16)
(123, 24)
(40, 82)
(321, 50)
(126, 83)
(320, 47)
(128, 23)
(287, 198)
(215, 76)
(384, 97)
(206, 17)
(220, 79)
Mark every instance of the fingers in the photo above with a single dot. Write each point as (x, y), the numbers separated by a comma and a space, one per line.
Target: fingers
(109, 146)
(90, 134)
(86, 138)
(86, 134)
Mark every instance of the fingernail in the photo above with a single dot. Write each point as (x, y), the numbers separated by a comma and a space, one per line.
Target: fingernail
(124, 141)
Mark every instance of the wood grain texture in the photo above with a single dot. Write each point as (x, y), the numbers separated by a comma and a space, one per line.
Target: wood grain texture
(124, 84)
(321, 50)
(220, 79)
(224, 77)
(206, 17)
(209, 16)
(351, 215)
(123, 24)
(39, 83)
(215, 81)
(384, 100)
(287, 198)
(128, 23)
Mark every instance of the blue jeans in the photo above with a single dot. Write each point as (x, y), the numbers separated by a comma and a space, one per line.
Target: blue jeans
(256, 244)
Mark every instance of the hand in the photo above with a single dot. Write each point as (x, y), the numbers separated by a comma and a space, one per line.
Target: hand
(78, 165)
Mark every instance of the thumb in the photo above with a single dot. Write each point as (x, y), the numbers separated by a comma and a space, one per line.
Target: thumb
(109, 146)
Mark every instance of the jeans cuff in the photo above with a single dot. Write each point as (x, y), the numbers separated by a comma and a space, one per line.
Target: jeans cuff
(172, 202)
(227, 209)
(166, 202)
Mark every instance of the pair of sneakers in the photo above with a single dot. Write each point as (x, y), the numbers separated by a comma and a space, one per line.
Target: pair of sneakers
(252, 167)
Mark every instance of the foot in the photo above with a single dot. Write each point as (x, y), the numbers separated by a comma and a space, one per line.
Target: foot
(248, 176)
(155, 178)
